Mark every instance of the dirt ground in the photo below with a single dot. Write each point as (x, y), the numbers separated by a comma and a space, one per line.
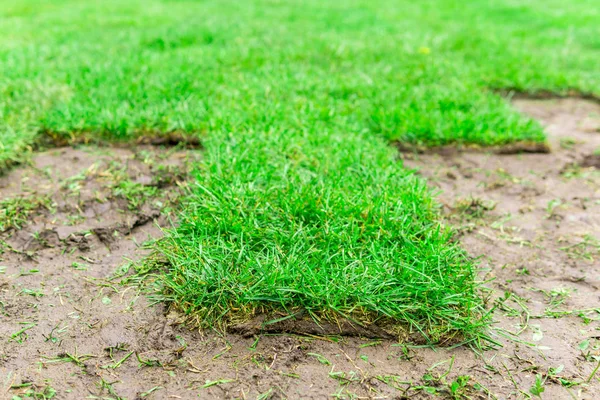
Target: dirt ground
(69, 331)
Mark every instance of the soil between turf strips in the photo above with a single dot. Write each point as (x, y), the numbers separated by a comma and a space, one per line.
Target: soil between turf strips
(545, 205)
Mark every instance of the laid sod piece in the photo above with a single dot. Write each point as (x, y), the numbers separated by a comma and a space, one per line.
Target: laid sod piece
(327, 223)
(300, 203)
(426, 73)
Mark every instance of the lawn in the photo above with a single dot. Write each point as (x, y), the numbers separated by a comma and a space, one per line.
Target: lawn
(300, 203)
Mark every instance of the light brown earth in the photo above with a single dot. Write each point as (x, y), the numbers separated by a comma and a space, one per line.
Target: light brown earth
(534, 218)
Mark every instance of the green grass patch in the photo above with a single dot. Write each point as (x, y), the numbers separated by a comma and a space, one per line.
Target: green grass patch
(284, 225)
(423, 72)
(299, 203)
(15, 211)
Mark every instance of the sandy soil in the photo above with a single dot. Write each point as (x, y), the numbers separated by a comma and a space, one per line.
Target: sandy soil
(70, 332)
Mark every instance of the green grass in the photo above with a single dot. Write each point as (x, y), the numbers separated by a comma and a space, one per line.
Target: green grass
(330, 224)
(300, 202)
(15, 211)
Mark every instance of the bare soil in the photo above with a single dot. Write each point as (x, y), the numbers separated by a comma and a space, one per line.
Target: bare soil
(70, 331)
